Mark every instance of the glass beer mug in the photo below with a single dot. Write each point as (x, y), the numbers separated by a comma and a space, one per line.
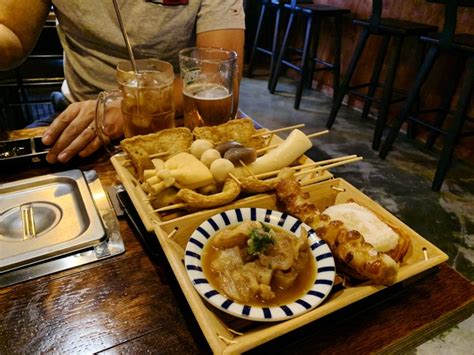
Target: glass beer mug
(147, 99)
(208, 78)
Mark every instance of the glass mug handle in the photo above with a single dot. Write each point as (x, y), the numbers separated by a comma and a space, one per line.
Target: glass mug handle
(102, 100)
(235, 89)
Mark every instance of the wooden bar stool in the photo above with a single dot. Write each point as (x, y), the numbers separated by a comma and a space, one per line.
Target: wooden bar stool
(270, 7)
(391, 30)
(312, 14)
(461, 46)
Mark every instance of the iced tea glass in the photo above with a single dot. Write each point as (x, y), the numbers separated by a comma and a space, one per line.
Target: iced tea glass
(147, 100)
(208, 78)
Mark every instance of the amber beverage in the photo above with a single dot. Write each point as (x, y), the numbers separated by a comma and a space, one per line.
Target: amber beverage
(146, 98)
(146, 106)
(206, 105)
(208, 78)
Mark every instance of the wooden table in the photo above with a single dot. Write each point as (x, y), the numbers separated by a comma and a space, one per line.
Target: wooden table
(132, 303)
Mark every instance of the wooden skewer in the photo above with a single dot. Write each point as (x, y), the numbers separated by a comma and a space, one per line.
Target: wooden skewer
(317, 134)
(325, 167)
(312, 135)
(172, 234)
(151, 156)
(170, 207)
(301, 125)
(247, 169)
(268, 147)
(308, 165)
(233, 177)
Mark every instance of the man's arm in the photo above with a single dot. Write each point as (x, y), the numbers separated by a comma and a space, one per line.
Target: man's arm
(21, 22)
(232, 39)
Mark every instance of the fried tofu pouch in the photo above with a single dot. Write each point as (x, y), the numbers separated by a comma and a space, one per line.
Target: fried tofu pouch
(238, 130)
(139, 148)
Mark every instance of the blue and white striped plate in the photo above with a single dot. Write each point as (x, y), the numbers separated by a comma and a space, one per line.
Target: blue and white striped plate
(326, 270)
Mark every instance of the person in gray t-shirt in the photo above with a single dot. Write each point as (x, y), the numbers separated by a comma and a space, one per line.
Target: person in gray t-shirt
(93, 45)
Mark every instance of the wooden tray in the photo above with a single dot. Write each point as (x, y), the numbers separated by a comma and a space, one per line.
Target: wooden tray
(227, 334)
(145, 209)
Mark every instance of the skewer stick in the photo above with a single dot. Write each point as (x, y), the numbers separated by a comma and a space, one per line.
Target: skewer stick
(312, 135)
(325, 167)
(172, 234)
(317, 134)
(308, 165)
(268, 147)
(170, 207)
(233, 177)
(247, 169)
(127, 162)
(301, 125)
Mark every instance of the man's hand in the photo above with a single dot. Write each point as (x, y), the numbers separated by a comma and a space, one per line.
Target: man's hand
(73, 131)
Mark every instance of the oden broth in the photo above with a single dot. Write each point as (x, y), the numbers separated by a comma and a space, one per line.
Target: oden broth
(302, 284)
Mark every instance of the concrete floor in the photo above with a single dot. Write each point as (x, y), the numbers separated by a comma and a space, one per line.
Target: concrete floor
(401, 183)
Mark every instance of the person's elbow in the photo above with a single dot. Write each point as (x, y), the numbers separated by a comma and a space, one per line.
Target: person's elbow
(12, 50)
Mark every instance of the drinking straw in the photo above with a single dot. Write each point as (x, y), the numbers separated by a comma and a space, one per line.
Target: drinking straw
(125, 37)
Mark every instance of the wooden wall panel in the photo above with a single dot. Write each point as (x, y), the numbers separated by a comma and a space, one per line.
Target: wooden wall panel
(413, 10)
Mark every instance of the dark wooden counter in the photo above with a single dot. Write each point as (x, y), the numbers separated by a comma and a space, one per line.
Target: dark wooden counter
(131, 303)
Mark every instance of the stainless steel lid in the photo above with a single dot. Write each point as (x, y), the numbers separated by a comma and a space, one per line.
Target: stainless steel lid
(45, 217)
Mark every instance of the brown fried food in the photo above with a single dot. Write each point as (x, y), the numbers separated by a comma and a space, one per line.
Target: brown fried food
(193, 199)
(139, 148)
(238, 130)
(401, 249)
(256, 186)
(349, 247)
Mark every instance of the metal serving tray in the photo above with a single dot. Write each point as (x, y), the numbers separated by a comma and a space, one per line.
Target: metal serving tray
(46, 216)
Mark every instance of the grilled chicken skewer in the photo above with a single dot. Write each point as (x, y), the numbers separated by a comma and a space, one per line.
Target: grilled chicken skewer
(357, 257)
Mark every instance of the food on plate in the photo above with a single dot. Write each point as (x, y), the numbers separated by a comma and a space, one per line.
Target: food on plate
(202, 167)
(294, 146)
(259, 264)
(209, 156)
(356, 255)
(199, 146)
(379, 234)
(239, 130)
(139, 148)
(225, 146)
(196, 200)
(220, 169)
(256, 186)
(188, 171)
(241, 155)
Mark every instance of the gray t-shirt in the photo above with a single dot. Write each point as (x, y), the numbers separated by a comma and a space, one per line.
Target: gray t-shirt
(93, 44)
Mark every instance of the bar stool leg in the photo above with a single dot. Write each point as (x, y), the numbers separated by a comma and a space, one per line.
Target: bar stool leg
(387, 93)
(455, 130)
(342, 90)
(376, 74)
(410, 101)
(256, 40)
(451, 87)
(337, 56)
(281, 55)
(412, 127)
(313, 52)
(274, 45)
(304, 61)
